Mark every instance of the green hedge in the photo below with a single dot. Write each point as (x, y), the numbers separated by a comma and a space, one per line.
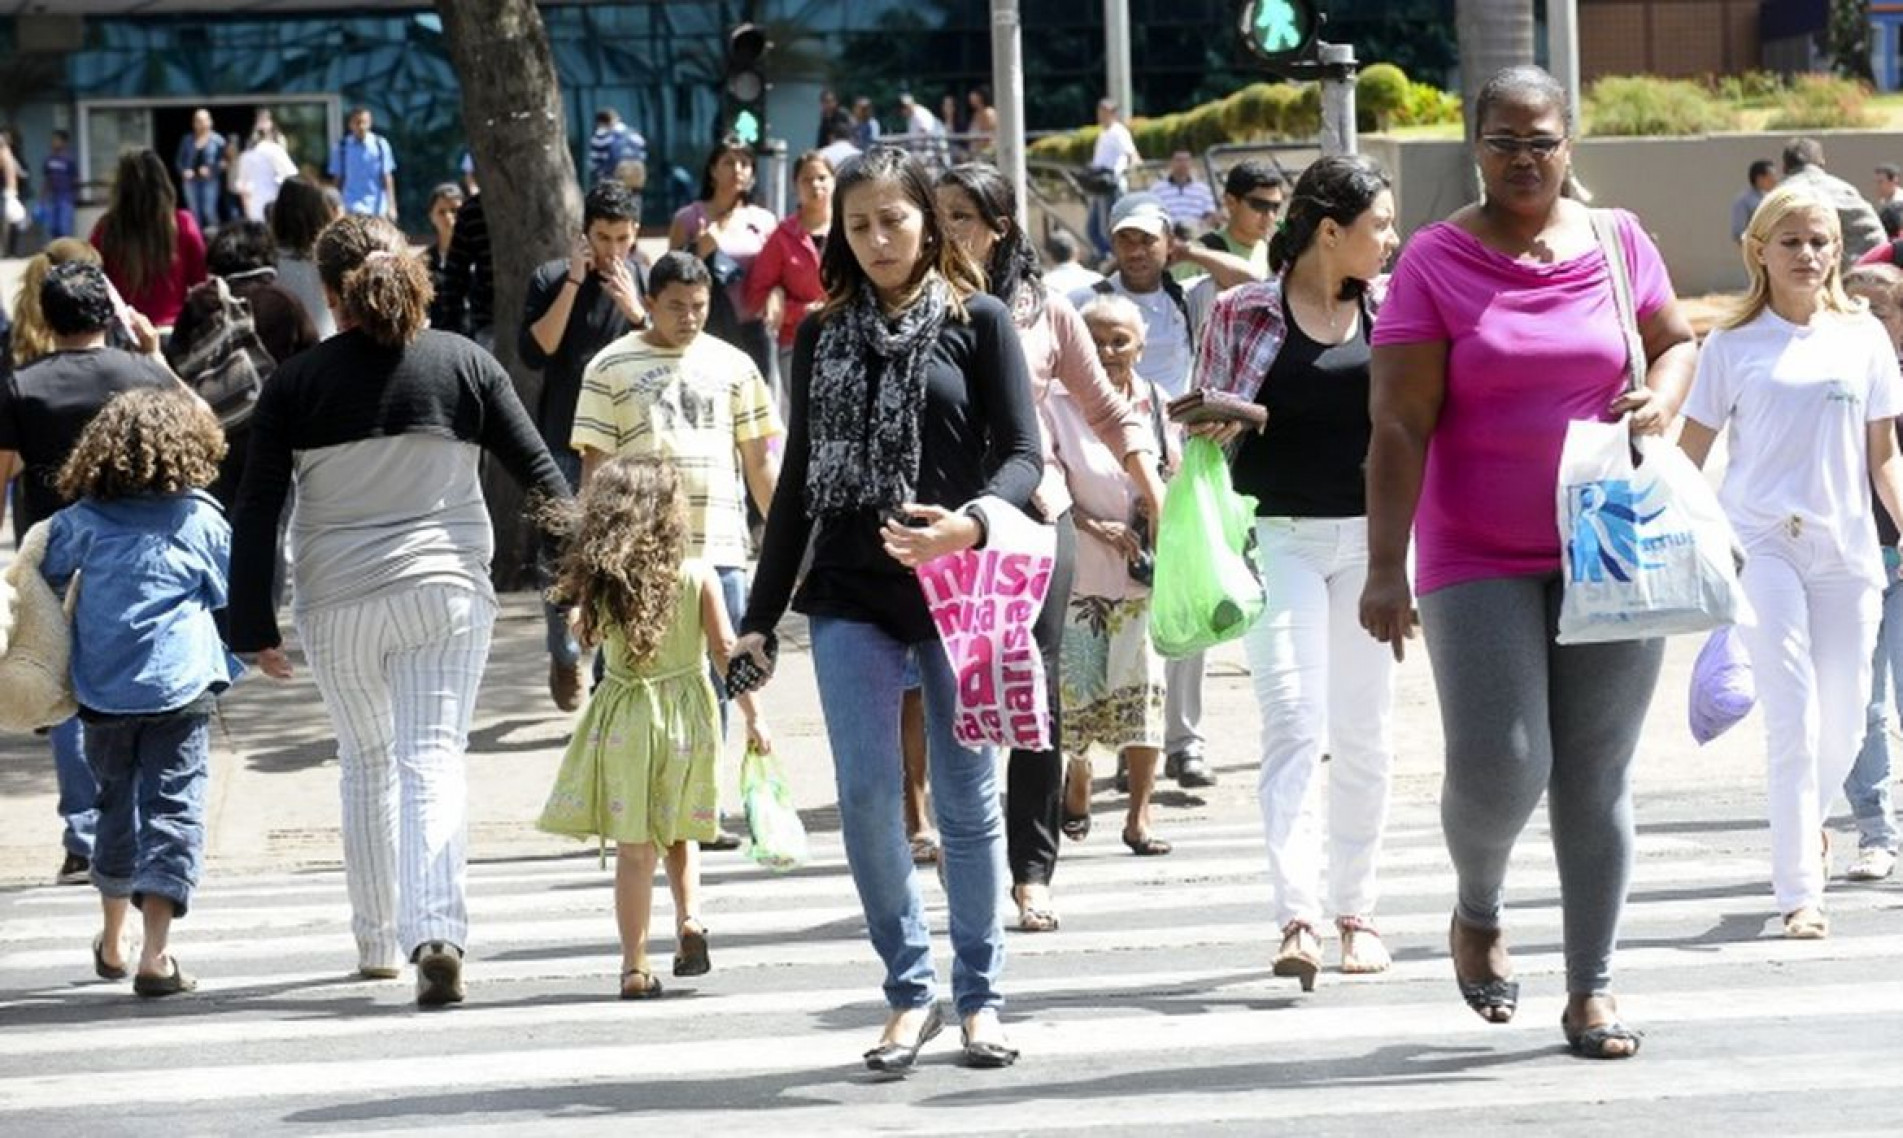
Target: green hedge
(1264, 111)
(1823, 102)
(1628, 105)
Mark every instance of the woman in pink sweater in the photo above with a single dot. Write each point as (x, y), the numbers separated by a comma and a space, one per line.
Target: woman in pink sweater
(978, 210)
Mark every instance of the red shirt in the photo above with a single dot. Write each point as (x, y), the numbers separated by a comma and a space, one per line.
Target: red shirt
(789, 261)
(163, 298)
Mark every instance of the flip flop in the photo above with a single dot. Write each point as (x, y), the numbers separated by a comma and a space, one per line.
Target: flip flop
(100, 968)
(170, 984)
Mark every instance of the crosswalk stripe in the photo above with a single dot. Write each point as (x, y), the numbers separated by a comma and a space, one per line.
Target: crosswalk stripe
(698, 1058)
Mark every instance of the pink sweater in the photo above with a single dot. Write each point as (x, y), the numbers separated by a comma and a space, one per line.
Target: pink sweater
(1058, 348)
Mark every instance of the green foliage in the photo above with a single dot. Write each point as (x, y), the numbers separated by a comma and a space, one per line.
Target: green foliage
(1845, 38)
(1752, 88)
(1428, 105)
(1823, 102)
(1256, 112)
(1382, 90)
(1642, 105)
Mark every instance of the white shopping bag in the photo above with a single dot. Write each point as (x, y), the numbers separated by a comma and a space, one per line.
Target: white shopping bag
(985, 603)
(1645, 548)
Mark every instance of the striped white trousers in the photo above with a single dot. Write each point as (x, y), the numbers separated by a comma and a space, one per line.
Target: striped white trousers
(398, 674)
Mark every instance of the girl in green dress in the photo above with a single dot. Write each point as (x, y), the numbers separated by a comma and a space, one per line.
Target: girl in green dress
(639, 770)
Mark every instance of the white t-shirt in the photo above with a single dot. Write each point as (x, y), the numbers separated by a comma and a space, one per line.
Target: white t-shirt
(1168, 353)
(1115, 149)
(1799, 401)
(261, 171)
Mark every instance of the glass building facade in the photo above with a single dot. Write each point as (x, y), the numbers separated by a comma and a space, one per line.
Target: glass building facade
(135, 79)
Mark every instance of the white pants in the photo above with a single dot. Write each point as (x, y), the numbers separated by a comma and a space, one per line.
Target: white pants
(398, 674)
(1816, 626)
(1323, 684)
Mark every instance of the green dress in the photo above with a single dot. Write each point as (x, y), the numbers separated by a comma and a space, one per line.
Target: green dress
(640, 767)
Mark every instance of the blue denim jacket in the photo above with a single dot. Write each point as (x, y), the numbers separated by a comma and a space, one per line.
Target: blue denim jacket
(152, 570)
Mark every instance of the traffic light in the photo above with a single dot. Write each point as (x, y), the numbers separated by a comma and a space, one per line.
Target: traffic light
(746, 85)
(1279, 31)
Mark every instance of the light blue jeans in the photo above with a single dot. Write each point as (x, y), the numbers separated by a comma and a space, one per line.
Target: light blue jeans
(78, 787)
(861, 674)
(1868, 785)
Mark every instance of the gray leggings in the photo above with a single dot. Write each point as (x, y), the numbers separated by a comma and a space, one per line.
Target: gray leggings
(1524, 715)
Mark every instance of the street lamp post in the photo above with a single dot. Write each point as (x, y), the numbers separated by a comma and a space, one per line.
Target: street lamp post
(1007, 87)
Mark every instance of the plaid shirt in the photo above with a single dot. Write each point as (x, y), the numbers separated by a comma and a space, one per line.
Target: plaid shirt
(1244, 332)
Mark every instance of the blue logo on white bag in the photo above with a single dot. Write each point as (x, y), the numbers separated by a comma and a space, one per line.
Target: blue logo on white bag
(1605, 542)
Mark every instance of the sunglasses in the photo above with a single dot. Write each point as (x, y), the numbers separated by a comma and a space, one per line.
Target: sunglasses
(1264, 205)
(1541, 146)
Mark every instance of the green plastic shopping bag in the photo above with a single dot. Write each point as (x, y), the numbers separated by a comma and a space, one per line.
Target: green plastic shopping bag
(1207, 589)
(778, 837)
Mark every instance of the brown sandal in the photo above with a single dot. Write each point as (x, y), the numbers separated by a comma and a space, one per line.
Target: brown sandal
(1296, 959)
(649, 988)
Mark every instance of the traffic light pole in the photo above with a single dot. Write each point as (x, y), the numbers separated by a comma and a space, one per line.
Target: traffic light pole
(1007, 88)
(1338, 67)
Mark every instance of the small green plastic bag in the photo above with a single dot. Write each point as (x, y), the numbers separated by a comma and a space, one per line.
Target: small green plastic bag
(778, 837)
(1207, 588)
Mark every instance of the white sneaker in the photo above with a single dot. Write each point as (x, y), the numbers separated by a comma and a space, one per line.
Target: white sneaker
(1873, 863)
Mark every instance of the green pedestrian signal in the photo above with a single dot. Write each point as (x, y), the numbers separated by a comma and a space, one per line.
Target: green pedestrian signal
(1279, 31)
(746, 128)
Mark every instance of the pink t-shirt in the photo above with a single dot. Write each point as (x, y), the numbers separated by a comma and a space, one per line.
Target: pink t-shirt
(1530, 348)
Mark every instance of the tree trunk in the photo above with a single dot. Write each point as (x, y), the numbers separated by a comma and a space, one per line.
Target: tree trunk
(1494, 35)
(512, 116)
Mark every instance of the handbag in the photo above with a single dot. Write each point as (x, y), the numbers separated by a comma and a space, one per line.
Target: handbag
(1097, 180)
(1207, 405)
(1142, 567)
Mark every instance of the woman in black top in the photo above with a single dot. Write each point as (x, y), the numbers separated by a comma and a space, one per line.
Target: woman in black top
(910, 399)
(384, 425)
(1297, 344)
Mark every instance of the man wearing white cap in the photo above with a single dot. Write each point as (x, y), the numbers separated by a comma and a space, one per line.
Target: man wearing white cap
(1173, 316)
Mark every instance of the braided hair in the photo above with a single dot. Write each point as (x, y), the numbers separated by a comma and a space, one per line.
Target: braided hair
(1339, 188)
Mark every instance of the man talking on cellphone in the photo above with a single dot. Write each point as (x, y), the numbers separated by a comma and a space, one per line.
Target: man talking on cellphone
(577, 306)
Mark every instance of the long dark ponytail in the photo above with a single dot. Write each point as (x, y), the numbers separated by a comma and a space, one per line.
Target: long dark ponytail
(1013, 263)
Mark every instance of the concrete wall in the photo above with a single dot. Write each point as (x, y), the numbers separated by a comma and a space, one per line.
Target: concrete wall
(1681, 188)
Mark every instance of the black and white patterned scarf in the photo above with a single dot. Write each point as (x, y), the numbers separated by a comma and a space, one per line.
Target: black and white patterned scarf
(866, 400)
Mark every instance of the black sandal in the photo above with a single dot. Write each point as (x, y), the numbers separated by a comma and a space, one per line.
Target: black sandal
(690, 957)
(1076, 826)
(650, 987)
(1492, 1000)
(1146, 845)
(1592, 1042)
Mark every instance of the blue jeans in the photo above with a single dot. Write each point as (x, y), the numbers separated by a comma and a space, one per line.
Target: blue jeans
(562, 648)
(56, 214)
(201, 197)
(1868, 784)
(152, 775)
(78, 789)
(861, 672)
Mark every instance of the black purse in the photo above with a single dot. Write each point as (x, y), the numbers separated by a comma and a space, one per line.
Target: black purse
(1143, 565)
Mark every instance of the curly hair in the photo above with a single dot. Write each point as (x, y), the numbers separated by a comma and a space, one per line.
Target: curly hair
(627, 536)
(386, 292)
(153, 440)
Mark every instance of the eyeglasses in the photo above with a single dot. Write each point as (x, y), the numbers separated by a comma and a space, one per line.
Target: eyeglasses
(1264, 205)
(1540, 146)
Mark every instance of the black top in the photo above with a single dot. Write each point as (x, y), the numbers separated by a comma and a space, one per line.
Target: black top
(1311, 462)
(46, 404)
(350, 389)
(468, 288)
(593, 323)
(979, 435)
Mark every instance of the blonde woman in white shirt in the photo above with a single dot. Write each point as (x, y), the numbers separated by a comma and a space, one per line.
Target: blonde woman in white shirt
(1807, 380)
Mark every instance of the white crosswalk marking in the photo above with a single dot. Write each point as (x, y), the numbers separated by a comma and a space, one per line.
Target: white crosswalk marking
(1156, 984)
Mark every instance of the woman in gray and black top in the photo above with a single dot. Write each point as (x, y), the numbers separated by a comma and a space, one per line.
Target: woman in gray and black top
(910, 399)
(384, 426)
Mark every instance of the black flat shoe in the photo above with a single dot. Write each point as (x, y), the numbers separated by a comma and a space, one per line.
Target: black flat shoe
(989, 1056)
(103, 970)
(897, 1058)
